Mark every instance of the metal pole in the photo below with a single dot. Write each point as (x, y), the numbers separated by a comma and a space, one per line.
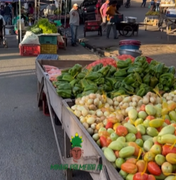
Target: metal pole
(20, 20)
(65, 20)
(38, 9)
(35, 9)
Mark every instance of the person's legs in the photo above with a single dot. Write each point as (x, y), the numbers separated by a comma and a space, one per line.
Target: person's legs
(76, 33)
(103, 24)
(6, 19)
(144, 2)
(72, 28)
(114, 30)
(108, 29)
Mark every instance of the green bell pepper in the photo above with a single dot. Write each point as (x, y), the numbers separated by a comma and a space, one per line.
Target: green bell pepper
(117, 93)
(120, 73)
(117, 85)
(111, 80)
(93, 76)
(76, 91)
(76, 69)
(128, 88)
(67, 77)
(171, 70)
(153, 81)
(141, 92)
(129, 79)
(97, 67)
(123, 64)
(91, 87)
(73, 82)
(146, 79)
(84, 83)
(81, 75)
(111, 71)
(64, 93)
(99, 81)
(104, 70)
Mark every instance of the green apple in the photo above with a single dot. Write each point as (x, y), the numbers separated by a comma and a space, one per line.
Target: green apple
(160, 159)
(156, 149)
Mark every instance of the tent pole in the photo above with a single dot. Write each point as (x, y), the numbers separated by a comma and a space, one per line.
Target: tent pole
(20, 20)
(35, 9)
(65, 18)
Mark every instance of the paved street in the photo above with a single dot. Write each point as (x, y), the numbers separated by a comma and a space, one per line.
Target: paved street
(28, 147)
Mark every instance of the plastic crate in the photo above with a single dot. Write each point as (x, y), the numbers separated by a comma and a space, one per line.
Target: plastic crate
(48, 49)
(48, 39)
(29, 50)
(47, 57)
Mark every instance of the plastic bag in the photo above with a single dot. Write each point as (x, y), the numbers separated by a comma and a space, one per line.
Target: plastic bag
(30, 38)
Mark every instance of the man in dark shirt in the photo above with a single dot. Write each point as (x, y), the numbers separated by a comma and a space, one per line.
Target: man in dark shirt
(7, 14)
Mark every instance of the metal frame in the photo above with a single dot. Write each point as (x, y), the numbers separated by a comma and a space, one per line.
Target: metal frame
(71, 124)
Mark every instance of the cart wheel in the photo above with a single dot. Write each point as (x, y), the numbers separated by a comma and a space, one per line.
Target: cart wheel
(128, 31)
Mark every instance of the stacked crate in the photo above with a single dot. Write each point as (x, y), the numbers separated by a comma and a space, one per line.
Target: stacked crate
(48, 44)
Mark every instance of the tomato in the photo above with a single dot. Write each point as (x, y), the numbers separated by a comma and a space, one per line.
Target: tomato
(131, 160)
(159, 129)
(109, 125)
(166, 168)
(104, 141)
(129, 167)
(166, 149)
(150, 117)
(117, 154)
(140, 176)
(140, 165)
(121, 130)
(137, 148)
(151, 177)
(154, 169)
(167, 121)
(142, 108)
(138, 135)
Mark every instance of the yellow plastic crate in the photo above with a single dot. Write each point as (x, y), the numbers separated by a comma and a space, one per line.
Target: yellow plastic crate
(48, 49)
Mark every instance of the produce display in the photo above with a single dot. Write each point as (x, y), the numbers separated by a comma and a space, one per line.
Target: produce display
(137, 134)
(152, 13)
(129, 108)
(43, 26)
(138, 77)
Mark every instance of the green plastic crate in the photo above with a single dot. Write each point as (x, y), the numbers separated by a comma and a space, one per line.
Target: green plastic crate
(47, 39)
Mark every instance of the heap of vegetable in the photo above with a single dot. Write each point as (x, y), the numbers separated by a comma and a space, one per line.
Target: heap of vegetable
(127, 79)
(44, 26)
(139, 142)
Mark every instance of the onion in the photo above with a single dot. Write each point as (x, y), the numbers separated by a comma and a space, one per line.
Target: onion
(119, 98)
(77, 113)
(99, 104)
(90, 130)
(98, 96)
(116, 103)
(158, 100)
(99, 113)
(84, 112)
(109, 101)
(90, 120)
(82, 119)
(92, 96)
(153, 100)
(111, 108)
(96, 101)
(169, 97)
(102, 118)
(90, 101)
(85, 125)
(140, 102)
(125, 105)
(105, 122)
(174, 99)
(93, 126)
(145, 100)
(84, 98)
(170, 102)
(127, 99)
(81, 102)
(73, 107)
(92, 107)
(129, 108)
(135, 99)
(106, 113)
(106, 105)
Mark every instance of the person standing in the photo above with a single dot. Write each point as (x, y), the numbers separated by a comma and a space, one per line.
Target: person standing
(2, 10)
(7, 14)
(111, 11)
(74, 23)
(143, 3)
(158, 5)
(103, 11)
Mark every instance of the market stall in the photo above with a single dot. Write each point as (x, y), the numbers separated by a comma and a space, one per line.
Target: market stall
(124, 111)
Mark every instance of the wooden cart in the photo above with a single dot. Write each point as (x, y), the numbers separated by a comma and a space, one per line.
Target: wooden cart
(151, 21)
(71, 125)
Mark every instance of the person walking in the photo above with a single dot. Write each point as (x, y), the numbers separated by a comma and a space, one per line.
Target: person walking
(111, 11)
(103, 11)
(74, 23)
(143, 3)
(157, 5)
(7, 14)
